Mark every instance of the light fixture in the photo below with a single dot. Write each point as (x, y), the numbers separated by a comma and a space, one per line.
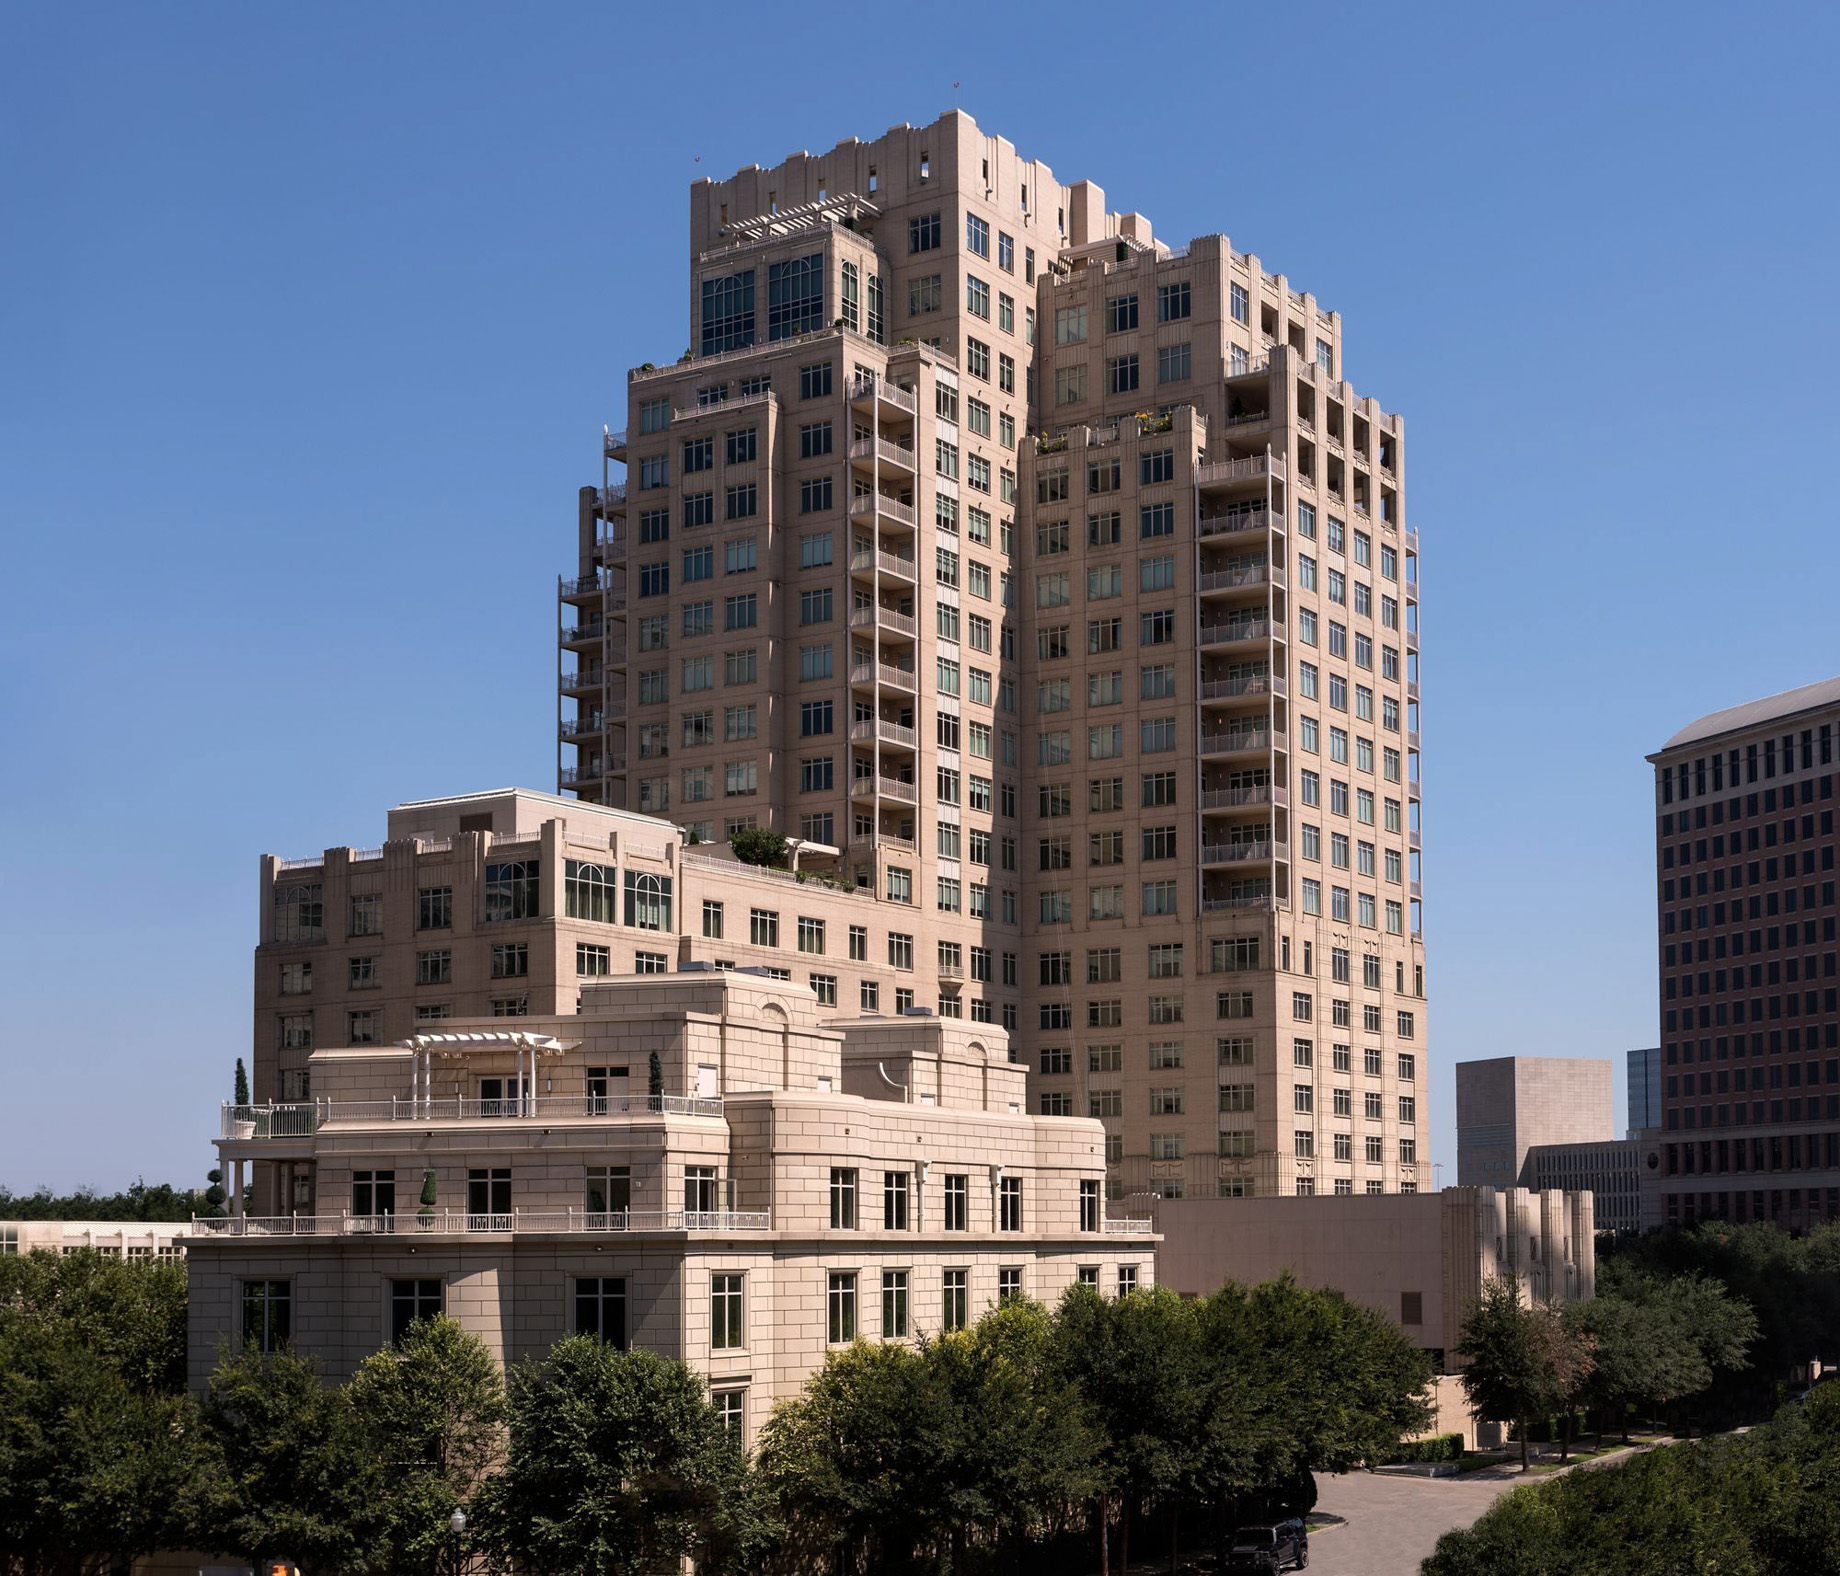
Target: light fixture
(457, 1521)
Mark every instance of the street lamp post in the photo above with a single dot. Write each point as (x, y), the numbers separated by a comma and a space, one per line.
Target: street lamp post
(457, 1525)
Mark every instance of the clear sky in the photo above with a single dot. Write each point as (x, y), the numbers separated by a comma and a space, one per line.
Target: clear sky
(310, 317)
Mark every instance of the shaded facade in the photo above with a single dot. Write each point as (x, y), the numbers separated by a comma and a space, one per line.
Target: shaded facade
(1749, 1000)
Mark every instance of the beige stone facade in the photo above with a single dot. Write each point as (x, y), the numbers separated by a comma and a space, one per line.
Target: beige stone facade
(1420, 1260)
(120, 1239)
(508, 904)
(803, 1179)
(1055, 586)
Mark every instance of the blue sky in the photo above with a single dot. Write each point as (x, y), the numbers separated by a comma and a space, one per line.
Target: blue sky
(310, 317)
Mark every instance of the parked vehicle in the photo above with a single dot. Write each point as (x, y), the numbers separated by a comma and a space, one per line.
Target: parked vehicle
(1270, 1547)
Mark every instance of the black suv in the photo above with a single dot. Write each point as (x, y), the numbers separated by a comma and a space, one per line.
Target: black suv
(1270, 1548)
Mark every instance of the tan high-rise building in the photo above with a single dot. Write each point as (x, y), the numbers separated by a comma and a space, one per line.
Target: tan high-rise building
(1053, 587)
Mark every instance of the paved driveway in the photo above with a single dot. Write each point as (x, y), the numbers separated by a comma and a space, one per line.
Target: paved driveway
(1391, 1523)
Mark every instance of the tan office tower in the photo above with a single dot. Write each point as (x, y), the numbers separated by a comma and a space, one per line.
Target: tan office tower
(1051, 583)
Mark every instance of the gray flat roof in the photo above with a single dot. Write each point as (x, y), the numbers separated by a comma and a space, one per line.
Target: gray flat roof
(1736, 719)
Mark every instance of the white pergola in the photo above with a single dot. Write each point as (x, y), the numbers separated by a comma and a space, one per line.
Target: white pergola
(425, 1048)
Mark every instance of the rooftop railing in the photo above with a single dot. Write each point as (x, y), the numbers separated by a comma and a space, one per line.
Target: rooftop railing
(448, 1222)
(302, 1120)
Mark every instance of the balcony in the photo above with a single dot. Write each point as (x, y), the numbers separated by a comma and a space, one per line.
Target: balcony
(1230, 473)
(611, 545)
(1228, 905)
(582, 727)
(612, 500)
(870, 451)
(457, 1223)
(1240, 741)
(867, 506)
(866, 561)
(1235, 522)
(1242, 798)
(1237, 632)
(871, 390)
(613, 444)
(589, 634)
(885, 618)
(888, 732)
(1249, 684)
(869, 673)
(574, 776)
(951, 971)
(582, 681)
(680, 414)
(1117, 1226)
(1245, 577)
(582, 588)
(868, 786)
(1243, 853)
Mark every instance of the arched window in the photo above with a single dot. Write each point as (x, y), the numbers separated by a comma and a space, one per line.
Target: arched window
(588, 892)
(648, 901)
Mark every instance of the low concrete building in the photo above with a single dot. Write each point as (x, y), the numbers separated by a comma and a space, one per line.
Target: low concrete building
(1545, 1122)
(126, 1239)
(800, 1181)
(1418, 1258)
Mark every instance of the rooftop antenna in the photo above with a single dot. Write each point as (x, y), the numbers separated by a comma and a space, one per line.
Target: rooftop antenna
(955, 87)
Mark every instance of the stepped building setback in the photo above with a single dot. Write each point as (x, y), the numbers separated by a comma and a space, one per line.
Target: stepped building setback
(1055, 589)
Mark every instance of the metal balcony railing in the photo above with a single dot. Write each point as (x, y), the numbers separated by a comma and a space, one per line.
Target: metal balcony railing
(451, 1222)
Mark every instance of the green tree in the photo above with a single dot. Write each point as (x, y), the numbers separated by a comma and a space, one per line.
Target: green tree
(755, 845)
(1030, 1450)
(1137, 1362)
(143, 1201)
(1750, 1505)
(241, 1094)
(654, 1077)
(428, 1411)
(129, 1312)
(853, 1461)
(1508, 1350)
(617, 1463)
(95, 1447)
(286, 1472)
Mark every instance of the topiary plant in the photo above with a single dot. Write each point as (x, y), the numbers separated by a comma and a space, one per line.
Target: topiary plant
(755, 845)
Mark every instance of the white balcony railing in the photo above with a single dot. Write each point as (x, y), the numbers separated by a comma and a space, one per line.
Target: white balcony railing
(896, 678)
(1253, 467)
(867, 505)
(1233, 521)
(887, 732)
(302, 1120)
(881, 448)
(880, 388)
(888, 563)
(1116, 1226)
(889, 788)
(1228, 634)
(452, 1222)
(1234, 579)
(1245, 740)
(1246, 684)
(883, 618)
